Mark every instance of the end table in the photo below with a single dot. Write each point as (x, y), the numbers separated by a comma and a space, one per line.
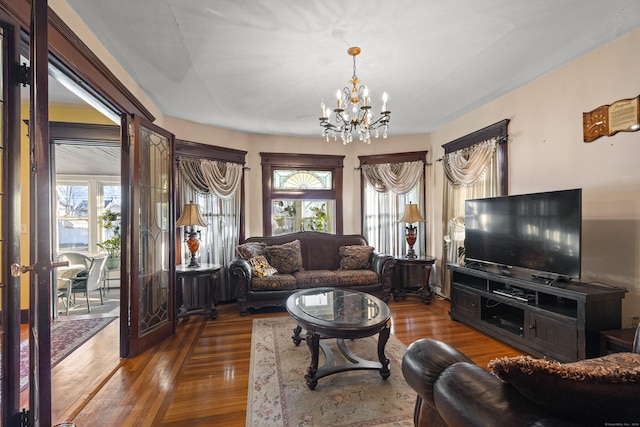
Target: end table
(196, 290)
(616, 341)
(411, 277)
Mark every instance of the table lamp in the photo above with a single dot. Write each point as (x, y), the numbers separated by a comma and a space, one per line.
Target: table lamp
(410, 216)
(191, 217)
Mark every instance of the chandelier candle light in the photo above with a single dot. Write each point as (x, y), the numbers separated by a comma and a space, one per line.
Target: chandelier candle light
(191, 217)
(353, 113)
(411, 215)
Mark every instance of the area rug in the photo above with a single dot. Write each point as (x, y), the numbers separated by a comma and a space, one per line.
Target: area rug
(66, 336)
(278, 394)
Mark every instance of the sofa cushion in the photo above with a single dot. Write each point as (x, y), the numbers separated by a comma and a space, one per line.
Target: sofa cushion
(251, 249)
(356, 278)
(275, 282)
(260, 266)
(286, 258)
(590, 387)
(355, 257)
(315, 278)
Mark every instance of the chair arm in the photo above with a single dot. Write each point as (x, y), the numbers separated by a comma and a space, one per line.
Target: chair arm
(382, 264)
(423, 362)
(465, 394)
(240, 274)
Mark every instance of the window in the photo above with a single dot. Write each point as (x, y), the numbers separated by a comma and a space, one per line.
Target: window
(478, 176)
(383, 206)
(78, 226)
(223, 215)
(301, 193)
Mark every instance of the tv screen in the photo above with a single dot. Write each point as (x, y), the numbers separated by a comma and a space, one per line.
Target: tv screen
(538, 231)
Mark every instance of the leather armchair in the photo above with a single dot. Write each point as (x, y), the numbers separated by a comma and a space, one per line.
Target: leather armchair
(453, 391)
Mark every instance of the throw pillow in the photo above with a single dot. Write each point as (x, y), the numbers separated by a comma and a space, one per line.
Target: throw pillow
(355, 257)
(251, 249)
(260, 267)
(591, 389)
(286, 258)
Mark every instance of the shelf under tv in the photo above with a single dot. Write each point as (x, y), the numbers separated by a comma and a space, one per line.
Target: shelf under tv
(560, 321)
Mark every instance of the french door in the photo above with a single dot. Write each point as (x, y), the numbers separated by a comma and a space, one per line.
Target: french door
(10, 219)
(149, 250)
(148, 261)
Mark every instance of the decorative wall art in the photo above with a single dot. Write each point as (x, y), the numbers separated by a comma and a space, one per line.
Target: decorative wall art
(607, 120)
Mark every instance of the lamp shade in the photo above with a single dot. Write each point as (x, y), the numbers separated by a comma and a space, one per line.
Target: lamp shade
(190, 216)
(411, 214)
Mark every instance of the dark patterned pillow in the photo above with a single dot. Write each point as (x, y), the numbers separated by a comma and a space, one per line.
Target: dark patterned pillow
(355, 257)
(591, 389)
(260, 266)
(251, 249)
(286, 258)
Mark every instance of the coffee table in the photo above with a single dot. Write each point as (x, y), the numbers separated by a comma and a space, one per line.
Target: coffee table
(341, 314)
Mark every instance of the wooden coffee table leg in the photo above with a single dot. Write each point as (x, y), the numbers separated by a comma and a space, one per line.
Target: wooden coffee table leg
(383, 337)
(313, 342)
(296, 335)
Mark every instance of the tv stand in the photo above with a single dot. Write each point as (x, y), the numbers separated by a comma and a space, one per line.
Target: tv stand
(561, 322)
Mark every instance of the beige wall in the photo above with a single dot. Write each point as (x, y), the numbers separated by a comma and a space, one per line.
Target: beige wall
(546, 152)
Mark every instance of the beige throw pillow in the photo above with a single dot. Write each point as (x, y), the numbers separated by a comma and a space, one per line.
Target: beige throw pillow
(260, 267)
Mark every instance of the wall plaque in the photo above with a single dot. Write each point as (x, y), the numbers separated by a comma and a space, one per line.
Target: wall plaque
(607, 120)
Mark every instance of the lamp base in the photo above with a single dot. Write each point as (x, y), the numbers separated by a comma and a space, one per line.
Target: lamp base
(193, 243)
(411, 240)
(193, 262)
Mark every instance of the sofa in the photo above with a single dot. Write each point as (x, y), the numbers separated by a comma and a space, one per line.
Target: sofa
(269, 269)
(522, 390)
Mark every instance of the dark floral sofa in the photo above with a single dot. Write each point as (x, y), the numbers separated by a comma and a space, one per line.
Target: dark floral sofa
(269, 269)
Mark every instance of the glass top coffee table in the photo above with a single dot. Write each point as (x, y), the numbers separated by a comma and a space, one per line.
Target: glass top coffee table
(340, 314)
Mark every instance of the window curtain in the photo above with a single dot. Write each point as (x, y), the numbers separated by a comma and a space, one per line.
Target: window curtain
(471, 173)
(389, 187)
(215, 187)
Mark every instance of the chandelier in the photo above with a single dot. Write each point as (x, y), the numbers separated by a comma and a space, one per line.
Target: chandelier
(353, 114)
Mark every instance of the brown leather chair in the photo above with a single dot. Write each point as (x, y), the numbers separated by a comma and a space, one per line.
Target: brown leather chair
(453, 391)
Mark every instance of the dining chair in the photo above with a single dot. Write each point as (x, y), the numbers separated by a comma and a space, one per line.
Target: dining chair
(75, 258)
(89, 283)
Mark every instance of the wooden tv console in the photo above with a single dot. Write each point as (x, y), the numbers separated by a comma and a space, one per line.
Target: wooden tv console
(558, 320)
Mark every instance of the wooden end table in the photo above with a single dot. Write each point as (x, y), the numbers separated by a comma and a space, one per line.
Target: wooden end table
(616, 341)
(411, 277)
(196, 290)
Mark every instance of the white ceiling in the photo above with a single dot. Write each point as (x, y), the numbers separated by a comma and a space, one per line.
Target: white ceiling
(264, 66)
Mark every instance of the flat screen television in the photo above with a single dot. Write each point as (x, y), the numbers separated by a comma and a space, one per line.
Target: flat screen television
(539, 232)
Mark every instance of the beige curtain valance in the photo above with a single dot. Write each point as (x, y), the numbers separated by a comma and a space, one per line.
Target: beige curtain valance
(211, 176)
(398, 178)
(464, 167)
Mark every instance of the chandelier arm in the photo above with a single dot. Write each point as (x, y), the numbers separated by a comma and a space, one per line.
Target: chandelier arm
(382, 120)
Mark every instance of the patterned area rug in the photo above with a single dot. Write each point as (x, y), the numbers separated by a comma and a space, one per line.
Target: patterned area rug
(279, 396)
(66, 336)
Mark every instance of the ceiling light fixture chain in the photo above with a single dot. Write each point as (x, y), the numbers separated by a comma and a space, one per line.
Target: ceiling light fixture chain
(356, 116)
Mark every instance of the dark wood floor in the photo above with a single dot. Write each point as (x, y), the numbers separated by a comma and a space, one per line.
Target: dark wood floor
(199, 376)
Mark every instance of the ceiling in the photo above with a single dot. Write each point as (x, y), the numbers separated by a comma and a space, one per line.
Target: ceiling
(264, 66)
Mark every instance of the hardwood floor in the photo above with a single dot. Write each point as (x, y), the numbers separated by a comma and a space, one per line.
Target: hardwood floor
(199, 376)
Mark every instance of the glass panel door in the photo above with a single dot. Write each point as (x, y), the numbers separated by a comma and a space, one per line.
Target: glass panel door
(9, 221)
(151, 245)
